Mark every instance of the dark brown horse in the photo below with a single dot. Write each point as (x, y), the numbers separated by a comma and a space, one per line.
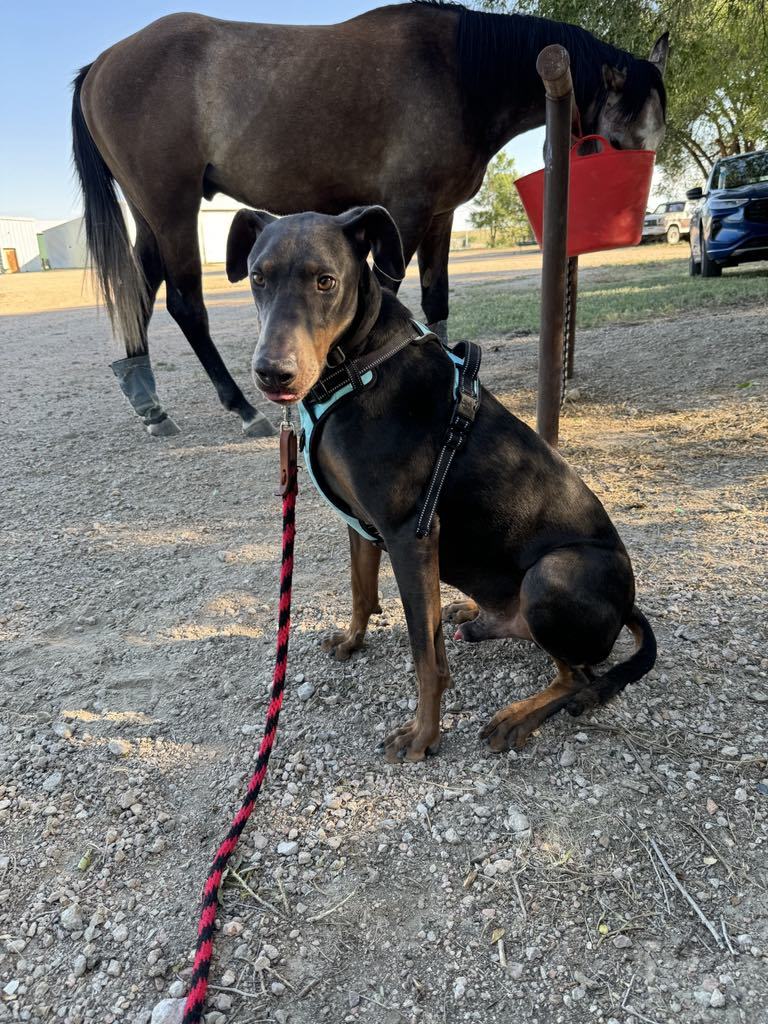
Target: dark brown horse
(403, 106)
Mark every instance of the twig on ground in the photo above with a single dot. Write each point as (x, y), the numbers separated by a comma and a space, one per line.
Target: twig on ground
(712, 847)
(264, 903)
(286, 904)
(636, 1012)
(731, 950)
(330, 910)
(520, 897)
(681, 888)
(629, 989)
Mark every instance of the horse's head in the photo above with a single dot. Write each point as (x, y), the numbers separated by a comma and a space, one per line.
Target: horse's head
(630, 109)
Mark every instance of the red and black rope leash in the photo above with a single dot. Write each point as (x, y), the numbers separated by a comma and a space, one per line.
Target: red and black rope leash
(193, 1008)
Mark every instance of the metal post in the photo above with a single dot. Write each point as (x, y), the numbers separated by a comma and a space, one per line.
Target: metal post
(553, 66)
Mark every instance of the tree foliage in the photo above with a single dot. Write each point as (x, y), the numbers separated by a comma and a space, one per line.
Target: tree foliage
(497, 206)
(717, 74)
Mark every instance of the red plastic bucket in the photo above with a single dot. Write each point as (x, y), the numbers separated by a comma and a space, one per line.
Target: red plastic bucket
(608, 197)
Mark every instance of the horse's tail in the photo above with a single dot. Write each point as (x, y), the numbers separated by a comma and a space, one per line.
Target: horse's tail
(120, 278)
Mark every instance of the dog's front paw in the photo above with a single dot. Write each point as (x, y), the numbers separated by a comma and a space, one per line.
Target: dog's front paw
(411, 742)
(342, 644)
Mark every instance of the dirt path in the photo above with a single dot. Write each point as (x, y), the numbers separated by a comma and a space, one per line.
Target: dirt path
(72, 289)
(137, 620)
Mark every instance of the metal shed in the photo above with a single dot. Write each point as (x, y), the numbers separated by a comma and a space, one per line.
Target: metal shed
(18, 244)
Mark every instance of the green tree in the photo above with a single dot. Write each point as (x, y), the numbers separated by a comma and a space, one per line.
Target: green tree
(716, 78)
(498, 208)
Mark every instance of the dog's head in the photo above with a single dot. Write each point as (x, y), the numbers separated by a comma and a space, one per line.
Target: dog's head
(305, 272)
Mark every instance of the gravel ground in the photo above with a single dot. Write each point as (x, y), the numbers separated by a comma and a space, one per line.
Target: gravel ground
(137, 619)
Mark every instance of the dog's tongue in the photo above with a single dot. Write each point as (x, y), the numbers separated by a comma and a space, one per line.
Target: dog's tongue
(282, 396)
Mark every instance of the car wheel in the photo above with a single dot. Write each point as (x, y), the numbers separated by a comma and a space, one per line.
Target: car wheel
(694, 267)
(708, 267)
(673, 234)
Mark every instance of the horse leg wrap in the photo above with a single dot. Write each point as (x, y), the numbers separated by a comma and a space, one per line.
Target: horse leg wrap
(137, 382)
(440, 328)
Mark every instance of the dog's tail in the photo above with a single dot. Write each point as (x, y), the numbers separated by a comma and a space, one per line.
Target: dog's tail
(119, 277)
(601, 688)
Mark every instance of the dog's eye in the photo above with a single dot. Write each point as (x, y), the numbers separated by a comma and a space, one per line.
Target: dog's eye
(258, 279)
(326, 283)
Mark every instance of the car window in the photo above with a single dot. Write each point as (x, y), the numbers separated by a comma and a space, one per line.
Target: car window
(676, 207)
(743, 170)
(661, 208)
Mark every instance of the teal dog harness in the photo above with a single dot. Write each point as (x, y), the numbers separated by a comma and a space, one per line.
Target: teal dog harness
(354, 376)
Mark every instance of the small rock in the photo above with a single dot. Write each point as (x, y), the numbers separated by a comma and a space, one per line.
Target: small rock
(126, 799)
(168, 1011)
(53, 782)
(71, 919)
(277, 988)
(622, 942)
(515, 970)
(459, 988)
(517, 821)
(717, 999)
(568, 756)
(288, 848)
(119, 748)
(353, 998)
(177, 989)
(120, 933)
(451, 836)
(305, 691)
(79, 966)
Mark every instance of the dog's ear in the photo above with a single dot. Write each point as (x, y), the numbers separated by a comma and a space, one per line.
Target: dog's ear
(371, 228)
(246, 227)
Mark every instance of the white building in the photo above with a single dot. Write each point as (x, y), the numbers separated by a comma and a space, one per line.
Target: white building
(63, 242)
(18, 244)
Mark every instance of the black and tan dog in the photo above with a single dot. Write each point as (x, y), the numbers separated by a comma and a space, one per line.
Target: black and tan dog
(516, 529)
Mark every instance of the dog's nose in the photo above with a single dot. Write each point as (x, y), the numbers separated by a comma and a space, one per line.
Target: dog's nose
(275, 374)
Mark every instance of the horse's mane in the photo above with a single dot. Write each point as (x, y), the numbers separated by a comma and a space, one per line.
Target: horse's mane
(492, 48)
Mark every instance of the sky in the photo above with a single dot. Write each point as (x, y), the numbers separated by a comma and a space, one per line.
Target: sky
(44, 44)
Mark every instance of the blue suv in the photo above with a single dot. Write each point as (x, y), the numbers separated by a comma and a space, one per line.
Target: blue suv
(730, 225)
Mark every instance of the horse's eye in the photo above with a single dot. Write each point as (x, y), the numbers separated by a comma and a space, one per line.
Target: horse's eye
(326, 283)
(258, 278)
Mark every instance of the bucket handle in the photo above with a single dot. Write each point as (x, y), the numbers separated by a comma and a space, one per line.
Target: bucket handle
(588, 138)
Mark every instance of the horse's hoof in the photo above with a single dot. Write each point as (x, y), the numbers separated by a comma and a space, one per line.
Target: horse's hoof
(163, 428)
(259, 426)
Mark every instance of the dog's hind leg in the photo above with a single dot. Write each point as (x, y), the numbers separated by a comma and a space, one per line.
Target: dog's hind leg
(512, 726)
(458, 612)
(365, 559)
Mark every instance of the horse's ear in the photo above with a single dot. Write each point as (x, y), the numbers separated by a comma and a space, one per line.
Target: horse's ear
(660, 52)
(613, 78)
(371, 228)
(246, 227)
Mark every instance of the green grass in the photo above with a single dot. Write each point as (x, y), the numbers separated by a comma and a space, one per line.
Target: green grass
(628, 293)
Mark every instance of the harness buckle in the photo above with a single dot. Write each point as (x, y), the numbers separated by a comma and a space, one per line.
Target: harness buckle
(466, 406)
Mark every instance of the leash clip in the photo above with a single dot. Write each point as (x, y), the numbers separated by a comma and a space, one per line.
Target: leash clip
(288, 453)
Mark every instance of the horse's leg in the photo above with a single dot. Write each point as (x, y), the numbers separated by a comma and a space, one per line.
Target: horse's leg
(184, 282)
(433, 269)
(134, 373)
